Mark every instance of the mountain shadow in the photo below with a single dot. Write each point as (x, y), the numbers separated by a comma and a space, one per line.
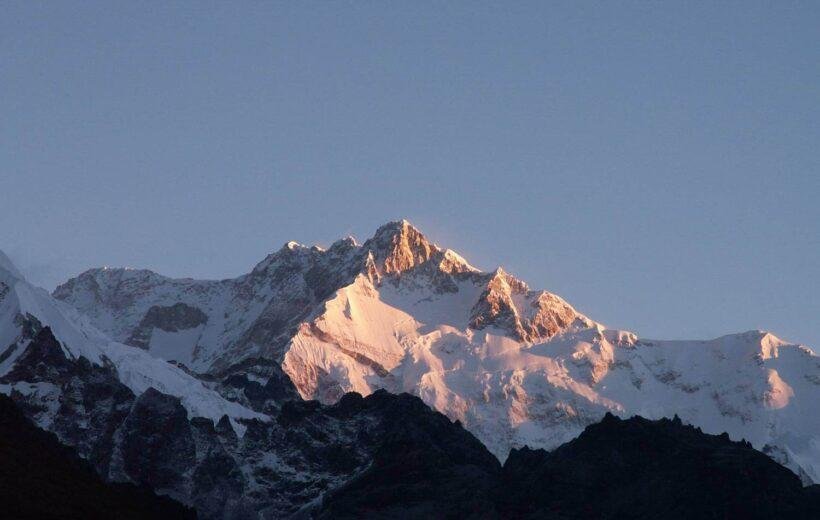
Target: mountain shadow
(617, 469)
(40, 478)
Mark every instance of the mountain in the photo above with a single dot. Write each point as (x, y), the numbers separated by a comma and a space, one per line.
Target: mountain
(43, 479)
(237, 441)
(517, 367)
(271, 468)
(25, 310)
(628, 469)
(399, 460)
(637, 468)
(139, 419)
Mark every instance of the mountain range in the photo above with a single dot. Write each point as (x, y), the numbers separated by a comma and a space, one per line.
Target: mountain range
(243, 397)
(517, 367)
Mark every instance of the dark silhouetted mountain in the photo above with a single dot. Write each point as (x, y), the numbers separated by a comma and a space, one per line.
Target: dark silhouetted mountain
(242, 469)
(423, 467)
(637, 468)
(41, 479)
(616, 469)
(515, 367)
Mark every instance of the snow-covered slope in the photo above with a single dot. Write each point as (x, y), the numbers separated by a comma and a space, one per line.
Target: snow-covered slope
(138, 418)
(24, 308)
(511, 393)
(211, 325)
(515, 366)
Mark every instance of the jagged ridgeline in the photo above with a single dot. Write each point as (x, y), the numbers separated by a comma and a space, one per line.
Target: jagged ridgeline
(232, 396)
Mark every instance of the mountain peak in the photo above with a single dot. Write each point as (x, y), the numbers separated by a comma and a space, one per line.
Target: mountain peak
(395, 228)
(455, 263)
(345, 243)
(291, 247)
(398, 246)
(504, 281)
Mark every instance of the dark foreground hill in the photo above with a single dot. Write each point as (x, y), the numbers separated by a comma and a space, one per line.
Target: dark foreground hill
(43, 479)
(424, 466)
(616, 469)
(638, 468)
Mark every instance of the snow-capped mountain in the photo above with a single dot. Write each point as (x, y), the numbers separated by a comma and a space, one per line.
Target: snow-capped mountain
(25, 310)
(138, 418)
(516, 366)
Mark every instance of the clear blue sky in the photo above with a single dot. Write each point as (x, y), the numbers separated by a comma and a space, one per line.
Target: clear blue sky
(656, 165)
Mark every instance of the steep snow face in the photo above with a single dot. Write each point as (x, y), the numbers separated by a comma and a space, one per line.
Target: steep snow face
(515, 366)
(24, 309)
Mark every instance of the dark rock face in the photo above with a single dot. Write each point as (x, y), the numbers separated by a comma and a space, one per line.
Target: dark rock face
(266, 398)
(270, 469)
(319, 448)
(86, 404)
(638, 468)
(217, 483)
(41, 479)
(156, 443)
(171, 318)
(147, 440)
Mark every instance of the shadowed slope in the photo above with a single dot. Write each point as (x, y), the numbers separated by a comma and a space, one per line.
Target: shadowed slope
(637, 468)
(41, 478)
(424, 466)
(624, 469)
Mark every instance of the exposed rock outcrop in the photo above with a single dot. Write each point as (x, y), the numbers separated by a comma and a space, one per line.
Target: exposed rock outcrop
(171, 318)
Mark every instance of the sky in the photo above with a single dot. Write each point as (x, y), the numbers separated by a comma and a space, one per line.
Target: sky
(654, 163)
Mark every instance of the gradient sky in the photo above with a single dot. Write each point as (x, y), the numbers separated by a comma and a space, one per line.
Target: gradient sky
(656, 165)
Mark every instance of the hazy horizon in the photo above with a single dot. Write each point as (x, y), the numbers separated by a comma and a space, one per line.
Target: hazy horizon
(654, 165)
